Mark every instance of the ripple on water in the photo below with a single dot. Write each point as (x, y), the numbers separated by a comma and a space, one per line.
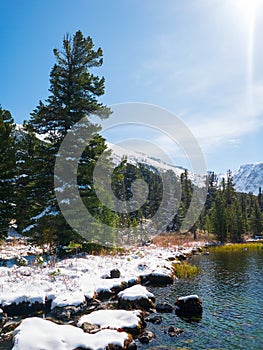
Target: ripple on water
(231, 289)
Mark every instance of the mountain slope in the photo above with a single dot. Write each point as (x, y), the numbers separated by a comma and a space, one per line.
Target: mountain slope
(249, 177)
(152, 163)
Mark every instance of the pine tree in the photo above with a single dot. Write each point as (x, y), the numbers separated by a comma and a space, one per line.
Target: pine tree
(7, 170)
(219, 217)
(74, 95)
(74, 90)
(260, 199)
(256, 219)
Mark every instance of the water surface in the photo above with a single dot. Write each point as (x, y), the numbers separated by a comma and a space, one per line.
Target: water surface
(231, 289)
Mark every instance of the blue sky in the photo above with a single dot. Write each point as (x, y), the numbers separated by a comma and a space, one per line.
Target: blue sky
(199, 59)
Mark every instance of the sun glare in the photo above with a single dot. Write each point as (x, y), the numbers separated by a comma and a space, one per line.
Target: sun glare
(247, 8)
(246, 12)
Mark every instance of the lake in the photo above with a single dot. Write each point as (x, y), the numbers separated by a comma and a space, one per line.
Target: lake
(231, 289)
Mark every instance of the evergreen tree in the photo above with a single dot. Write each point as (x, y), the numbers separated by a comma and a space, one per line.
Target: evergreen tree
(74, 90)
(256, 219)
(219, 218)
(74, 95)
(7, 170)
(260, 199)
(30, 189)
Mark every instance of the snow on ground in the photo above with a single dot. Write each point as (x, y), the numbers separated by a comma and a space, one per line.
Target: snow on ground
(50, 336)
(112, 318)
(11, 251)
(69, 280)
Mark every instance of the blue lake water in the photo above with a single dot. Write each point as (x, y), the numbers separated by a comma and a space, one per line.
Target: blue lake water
(231, 289)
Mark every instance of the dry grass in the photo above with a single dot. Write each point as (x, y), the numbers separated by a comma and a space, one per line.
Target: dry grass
(178, 239)
(184, 270)
(238, 246)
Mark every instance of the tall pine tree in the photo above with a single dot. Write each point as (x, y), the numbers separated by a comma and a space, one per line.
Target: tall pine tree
(74, 95)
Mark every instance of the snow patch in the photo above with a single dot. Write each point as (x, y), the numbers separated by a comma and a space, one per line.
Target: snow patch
(112, 318)
(135, 292)
(36, 333)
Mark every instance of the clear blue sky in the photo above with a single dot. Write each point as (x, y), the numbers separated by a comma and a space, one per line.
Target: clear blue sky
(200, 59)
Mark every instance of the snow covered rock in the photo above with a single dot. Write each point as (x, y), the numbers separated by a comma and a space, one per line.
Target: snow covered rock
(128, 321)
(157, 279)
(22, 303)
(68, 305)
(35, 333)
(136, 297)
(73, 299)
(189, 306)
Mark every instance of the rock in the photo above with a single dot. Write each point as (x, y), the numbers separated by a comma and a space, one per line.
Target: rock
(89, 327)
(154, 319)
(174, 331)
(132, 346)
(156, 279)
(170, 258)
(131, 322)
(136, 297)
(105, 294)
(66, 313)
(146, 337)
(189, 306)
(180, 256)
(23, 309)
(114, 273)
(164, 307)
(118, 288)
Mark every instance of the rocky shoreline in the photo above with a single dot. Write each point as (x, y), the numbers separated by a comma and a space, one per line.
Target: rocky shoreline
(92, 295)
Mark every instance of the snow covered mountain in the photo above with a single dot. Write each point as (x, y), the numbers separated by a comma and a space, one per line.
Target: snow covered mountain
(249, 177)
(134, 158)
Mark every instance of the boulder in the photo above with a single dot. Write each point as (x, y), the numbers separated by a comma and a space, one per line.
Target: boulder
(121, 320)
(189, 306)
(105, 294)
(23, 308)
(136, 297)
(156, 279)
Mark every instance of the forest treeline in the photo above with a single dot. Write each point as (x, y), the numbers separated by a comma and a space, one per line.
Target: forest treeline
(28, 154)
